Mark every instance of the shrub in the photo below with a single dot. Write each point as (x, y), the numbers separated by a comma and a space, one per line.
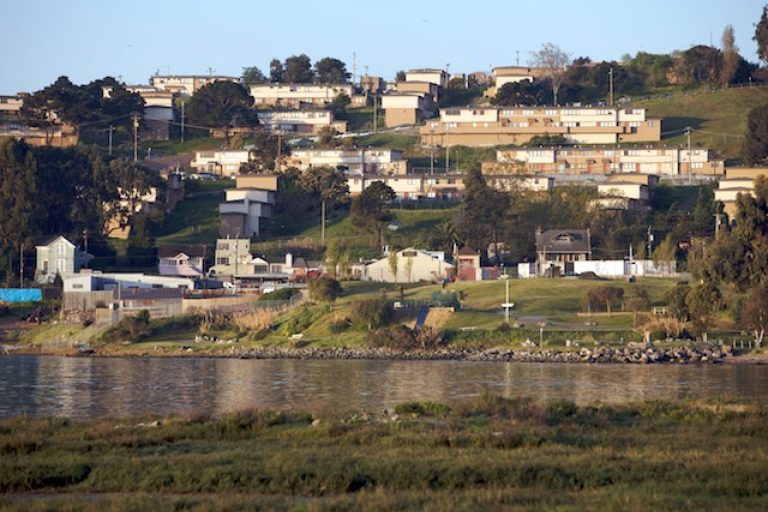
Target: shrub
(560, 410)
(445, 300)
(301, 321)
(131, 328)
(280, 294)
(427, 337)
(372, 313)
(340, 325)
(427, 408)
(395, 336)
(603, 297)
(324, 289)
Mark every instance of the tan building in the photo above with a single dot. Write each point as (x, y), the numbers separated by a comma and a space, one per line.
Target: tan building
(356, 161)
(426, 88)
(297, 95)
(413, 266)
(738, 180)
(11, 104)
(186, 85)
(438, 77)
(606, 160)
(406, 108)
(485, 126)
(371, 84)
(503, 75)
(259, 181)
(58, 136)
(300, 121)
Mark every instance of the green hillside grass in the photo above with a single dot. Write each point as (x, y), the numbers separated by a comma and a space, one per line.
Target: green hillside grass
(196, 219)
(721, 114)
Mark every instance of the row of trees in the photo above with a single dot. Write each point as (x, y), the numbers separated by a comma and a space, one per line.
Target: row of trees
(298, 69)
(50, 191)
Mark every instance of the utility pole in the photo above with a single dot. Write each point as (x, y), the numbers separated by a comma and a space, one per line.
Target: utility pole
(354, 65)
(375, 112)
(447, 158)
(135, 137)
(717, 224)
(183, 103)
(431, 151)
(517, 57)
(21, 265)
(322, 217)
(279, 149)
(85, 245)
(111, 129)
(610, 88)
(688, 134)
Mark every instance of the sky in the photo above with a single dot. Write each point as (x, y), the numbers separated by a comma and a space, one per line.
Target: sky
(132, 40)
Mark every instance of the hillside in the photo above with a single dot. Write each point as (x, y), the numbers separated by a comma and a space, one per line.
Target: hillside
(717, 118)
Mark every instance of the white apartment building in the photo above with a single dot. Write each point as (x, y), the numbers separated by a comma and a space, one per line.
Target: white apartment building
(240, 216)
(296, 95)
(300, 121)
(436, 76)
(356, 161)
(186, 85)
(225, 162)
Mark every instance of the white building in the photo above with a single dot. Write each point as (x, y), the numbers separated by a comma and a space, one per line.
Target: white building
(59, 256)
(405, 186)
(435, 76)
(244, 211)
(628, 189)
(98, 281)
(186, 85)
(296, 95)
(413, 266)
(300, 121)
(356, 161)
(225, 162)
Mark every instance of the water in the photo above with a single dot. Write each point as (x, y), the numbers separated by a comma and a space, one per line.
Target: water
(94, 387)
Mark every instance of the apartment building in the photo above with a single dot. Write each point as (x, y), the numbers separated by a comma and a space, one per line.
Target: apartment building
(438, 77)
(11, 105)
(186, 85)
(158, 110)
(356, 161)
(503, 75)
(667, 161)
(300, 121)
(738, 180)
(426, 88)
(485, 126)
(233, 257)
(244, 211)
(297, 95)
(225, 162)
(406, 108)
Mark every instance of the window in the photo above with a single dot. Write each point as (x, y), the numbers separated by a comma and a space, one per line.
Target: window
(527, 112)
(222, 261)
(697, 165)
(409, 254)
(634, 124)
(550, 112)
(222, 247)
(77, 286)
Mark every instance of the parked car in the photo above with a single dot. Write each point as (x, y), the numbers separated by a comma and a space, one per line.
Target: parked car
(204, 176)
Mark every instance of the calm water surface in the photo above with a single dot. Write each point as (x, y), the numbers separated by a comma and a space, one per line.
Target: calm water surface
(94, 387)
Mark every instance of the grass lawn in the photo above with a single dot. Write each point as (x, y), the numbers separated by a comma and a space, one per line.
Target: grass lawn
(491, 453)
(718, 119)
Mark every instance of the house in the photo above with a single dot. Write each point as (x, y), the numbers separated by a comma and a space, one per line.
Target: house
(58, 135)
(405, 187)
(438, 77)
(308, 122)
(234, 258)
(355, 161)
(244, 211)
(298, 95)
(186, 85)
(181, 261)
(427, 88)
(468, 266)
(224, 162)
(621, 195)
(738, 180)
(490, 126)
(406, 108)
(371, 84)
(557, 249)
(59, 256)
(605, 160)
(413, 266)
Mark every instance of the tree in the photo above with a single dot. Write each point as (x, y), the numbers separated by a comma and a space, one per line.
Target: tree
(754, 313)
(761, 36)
(703, 300)
(676, 300)
(332, 256)
(331, 71)
(392, 261)
(730, 56)
(222, 104)
(482, 212)
(276, 71)
(409, 268)
(606, 296)
(524, 92)
(700, 64)
(324, 289)
(298, 70)
(253, 75)
(553, 61)
(400, 76)
(370, 210)
(327, 184)
(665, 251)
(754, 149)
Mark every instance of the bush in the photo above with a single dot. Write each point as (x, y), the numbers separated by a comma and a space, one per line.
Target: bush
(427, 408)
(324, 289)
(372, 313)
(280, 294)
(131, 328)
(445, 300)
(396, 336)
(340, 325)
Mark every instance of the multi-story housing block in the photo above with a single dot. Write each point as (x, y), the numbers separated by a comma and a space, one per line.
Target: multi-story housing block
(356, 161)
(406, 108)
(297, 95)
(300, 121)
(186, 85)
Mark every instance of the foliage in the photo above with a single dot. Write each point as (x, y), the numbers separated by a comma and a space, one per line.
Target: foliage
(370, 210)
(547, 140)
(279, 294)
(730, 56)
(324, 289)
(298, 70)
(553, 61)
(276, 71)
(222, 104)
(482, 213)
(641, 301)
(130, 328)
(427, 408)
(676, 300)
(603, 297)
(524, 92)
(372, 313)
(392, 262)
(445, 300)
(761, 36)
(301, 320)
(253, 75)
(331, 71)
(754, 312)
(755, 146)
(264, 151)
(703, 301)
(325, 183)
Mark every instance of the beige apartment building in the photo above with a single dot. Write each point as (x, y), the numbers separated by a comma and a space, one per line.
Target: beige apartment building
(186, 85)
(300, 121)
(297, 95)
(426, 88)
(406, 108)
(438, 77)
(738, 180)
(503, 75)
(667, 161)
(486, 126)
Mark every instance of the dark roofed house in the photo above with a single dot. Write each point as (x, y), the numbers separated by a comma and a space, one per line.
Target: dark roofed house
(557, 249)
(186, 261)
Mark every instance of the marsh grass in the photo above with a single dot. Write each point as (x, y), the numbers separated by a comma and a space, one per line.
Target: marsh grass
(489, 453)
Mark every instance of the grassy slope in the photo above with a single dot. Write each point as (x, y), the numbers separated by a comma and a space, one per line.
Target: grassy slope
(723, 114)
(196, 219)
(487, 454)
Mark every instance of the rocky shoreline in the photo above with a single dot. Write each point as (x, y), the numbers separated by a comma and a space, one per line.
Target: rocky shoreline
(600, 355)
